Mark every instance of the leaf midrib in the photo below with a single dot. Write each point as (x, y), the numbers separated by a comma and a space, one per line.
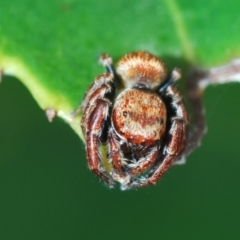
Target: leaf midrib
(180, 28)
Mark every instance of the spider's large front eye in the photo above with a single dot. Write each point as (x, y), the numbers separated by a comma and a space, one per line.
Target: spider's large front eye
(139, 116)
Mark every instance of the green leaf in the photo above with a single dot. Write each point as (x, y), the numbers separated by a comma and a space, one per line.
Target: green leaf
(52, 47)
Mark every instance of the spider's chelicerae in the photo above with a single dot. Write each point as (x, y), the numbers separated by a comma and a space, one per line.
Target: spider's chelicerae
(138, 114)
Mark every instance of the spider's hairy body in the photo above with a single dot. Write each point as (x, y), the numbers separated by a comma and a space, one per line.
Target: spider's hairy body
(144, 126)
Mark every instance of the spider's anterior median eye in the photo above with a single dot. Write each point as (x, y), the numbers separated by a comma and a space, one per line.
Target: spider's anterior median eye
(125, 113)
(160, 120)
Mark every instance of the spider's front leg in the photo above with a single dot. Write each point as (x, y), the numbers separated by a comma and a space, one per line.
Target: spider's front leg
(176, 141)
(95, 115)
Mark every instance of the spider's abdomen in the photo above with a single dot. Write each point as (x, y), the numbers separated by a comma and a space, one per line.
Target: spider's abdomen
(139, 116)
(141, 68)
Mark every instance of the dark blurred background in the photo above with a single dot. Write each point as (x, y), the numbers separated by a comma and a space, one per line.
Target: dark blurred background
(47, 192)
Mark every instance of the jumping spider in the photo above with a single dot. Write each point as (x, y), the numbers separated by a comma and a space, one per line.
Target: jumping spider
(139, 115)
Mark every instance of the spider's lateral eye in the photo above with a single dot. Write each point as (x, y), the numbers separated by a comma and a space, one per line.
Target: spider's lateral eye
(125, 113)
(160, 120)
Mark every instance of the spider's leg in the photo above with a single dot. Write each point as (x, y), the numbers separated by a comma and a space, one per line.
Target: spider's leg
(106, 61)
(176, 141)
(198, 126)
(95, 115)
(114, 150)
(95, 123)
(103, 84)
(115, 155)
(176, 75)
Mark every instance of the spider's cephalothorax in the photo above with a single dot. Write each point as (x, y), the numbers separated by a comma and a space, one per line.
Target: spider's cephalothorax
(139, 115)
